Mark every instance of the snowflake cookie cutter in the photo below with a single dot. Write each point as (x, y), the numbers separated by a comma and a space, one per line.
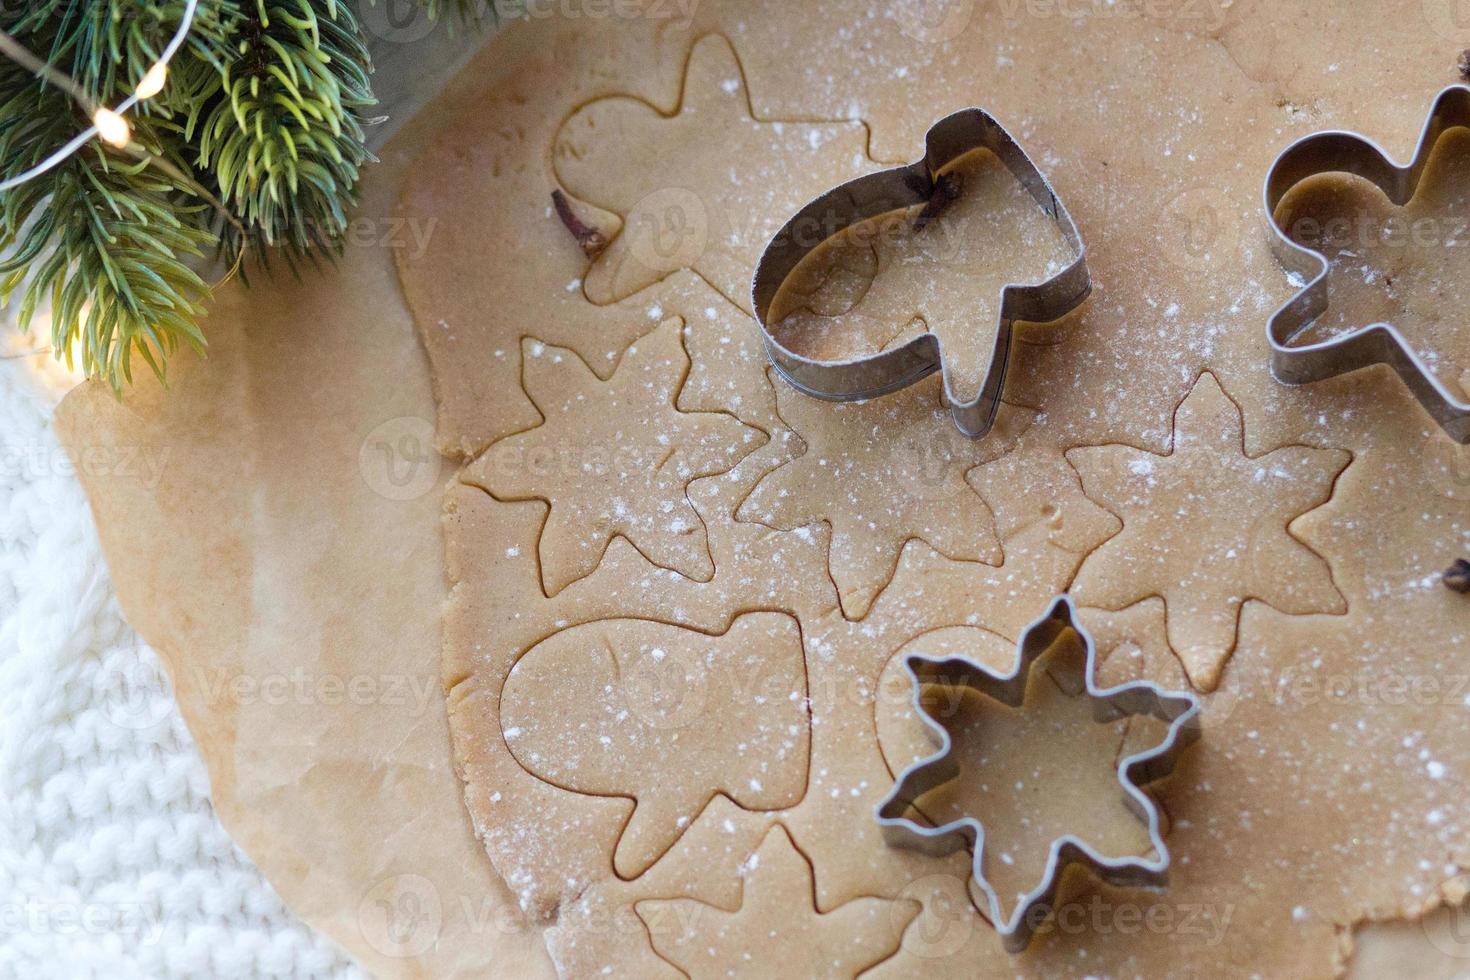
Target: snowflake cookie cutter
(1337, 151)
(876, 194)
(1179, 709)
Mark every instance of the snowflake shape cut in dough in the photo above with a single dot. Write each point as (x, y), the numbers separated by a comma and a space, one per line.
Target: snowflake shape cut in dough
(1206, 527)
(777, 931)
(703, 188)
(880, 473)
(1046, 722)
(614, 458)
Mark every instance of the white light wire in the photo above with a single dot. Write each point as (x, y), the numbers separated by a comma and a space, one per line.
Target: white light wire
(71, 147)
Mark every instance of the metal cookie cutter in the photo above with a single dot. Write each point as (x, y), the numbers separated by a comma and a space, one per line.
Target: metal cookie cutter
(860, 378)
(1378, 343)
(1178, 708)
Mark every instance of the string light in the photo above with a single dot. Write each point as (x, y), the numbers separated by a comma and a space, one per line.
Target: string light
(107, 123)
(152, 81)
(112, 128)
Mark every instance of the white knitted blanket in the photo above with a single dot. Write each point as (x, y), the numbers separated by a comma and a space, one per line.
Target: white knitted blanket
(112, 863)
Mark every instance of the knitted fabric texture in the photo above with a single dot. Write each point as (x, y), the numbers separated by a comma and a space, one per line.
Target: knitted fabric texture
(112, 862)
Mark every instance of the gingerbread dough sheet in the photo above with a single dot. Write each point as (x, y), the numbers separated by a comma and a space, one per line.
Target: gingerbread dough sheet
(635, 490)
(281, 552)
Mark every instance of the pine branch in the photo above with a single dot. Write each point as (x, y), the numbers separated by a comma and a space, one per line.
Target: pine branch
(103, 237)
(107, 249)
(283, 139)
(254, 143)
(114, 42)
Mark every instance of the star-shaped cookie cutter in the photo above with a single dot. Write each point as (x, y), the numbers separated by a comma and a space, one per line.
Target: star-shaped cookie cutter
(1178, 708)
(1337, 151)
(886, 191)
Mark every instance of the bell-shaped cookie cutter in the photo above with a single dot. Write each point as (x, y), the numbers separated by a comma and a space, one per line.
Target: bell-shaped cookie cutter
(875, 194)
(1179, 709)
(1337, 151)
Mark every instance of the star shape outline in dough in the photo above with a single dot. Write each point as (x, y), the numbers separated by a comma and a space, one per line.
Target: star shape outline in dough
(1208, 441)
(867, 929)
(636, 490)
(1179, 709)
(909, 445)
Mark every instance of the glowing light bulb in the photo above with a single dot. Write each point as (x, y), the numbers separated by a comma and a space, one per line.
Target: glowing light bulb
(112, 128)
(152, 82)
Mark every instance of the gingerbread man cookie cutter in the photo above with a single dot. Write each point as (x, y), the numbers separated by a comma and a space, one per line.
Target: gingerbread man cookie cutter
(886, 191)
(1338, 151)
(1179, 709)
